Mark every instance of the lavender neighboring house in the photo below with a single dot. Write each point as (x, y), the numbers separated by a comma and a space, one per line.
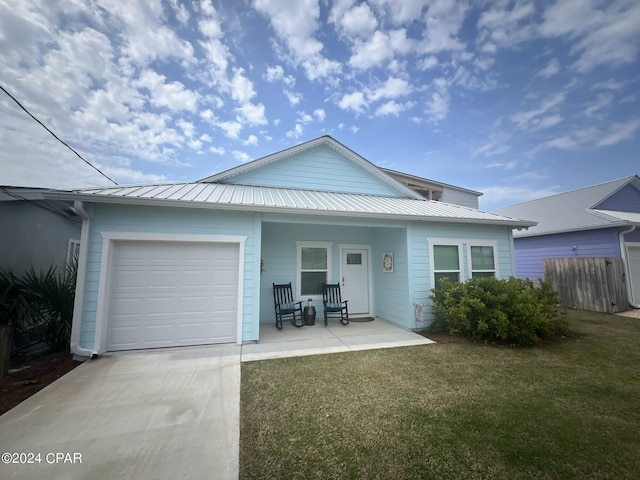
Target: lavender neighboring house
(598, 221)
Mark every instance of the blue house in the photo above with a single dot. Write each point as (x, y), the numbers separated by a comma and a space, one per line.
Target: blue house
(598, 221)
(194, 263)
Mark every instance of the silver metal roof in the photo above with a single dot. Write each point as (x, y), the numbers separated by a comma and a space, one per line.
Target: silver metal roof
(293, 201)
(571, 211)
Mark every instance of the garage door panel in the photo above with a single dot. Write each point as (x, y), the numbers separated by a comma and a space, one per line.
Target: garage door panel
(171, 294)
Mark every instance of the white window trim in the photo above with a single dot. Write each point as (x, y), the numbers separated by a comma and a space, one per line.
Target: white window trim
(483, 243)
(464, 252)
(435, 241)
(306, 244)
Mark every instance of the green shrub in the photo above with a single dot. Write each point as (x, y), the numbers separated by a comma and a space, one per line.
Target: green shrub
(40, 302)
(513, 311)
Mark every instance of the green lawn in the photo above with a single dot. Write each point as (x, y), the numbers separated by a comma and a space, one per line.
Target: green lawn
(568, 409)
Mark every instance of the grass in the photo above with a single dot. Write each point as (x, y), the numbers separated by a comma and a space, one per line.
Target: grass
(567, 409)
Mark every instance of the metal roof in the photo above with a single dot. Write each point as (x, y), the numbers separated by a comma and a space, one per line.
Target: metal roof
(292, 201)
(571, 211)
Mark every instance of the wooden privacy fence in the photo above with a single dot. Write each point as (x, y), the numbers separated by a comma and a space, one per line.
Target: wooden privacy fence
(596, 284)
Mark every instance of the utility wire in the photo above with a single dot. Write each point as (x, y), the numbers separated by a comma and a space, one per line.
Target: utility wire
(57, 138)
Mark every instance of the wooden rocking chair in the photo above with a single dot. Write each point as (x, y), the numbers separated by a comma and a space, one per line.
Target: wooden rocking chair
(334, 306)
(285, 306)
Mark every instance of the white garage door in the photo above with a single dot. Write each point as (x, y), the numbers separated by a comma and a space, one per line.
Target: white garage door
(634, 266)
(167, 294)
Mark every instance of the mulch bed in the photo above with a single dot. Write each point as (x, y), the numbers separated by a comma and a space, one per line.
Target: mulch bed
(39, 372)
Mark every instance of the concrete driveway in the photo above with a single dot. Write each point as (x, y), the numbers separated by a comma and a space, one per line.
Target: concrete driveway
(159, 414)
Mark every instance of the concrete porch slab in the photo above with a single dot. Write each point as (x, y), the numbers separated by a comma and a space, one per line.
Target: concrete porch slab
(335, 338)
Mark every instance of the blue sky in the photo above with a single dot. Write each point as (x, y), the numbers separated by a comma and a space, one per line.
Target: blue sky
(516, 99)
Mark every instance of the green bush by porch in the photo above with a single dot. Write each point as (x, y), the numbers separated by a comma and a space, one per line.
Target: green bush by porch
(512, 311)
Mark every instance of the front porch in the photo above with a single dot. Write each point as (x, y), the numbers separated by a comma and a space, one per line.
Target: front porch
(334, 338)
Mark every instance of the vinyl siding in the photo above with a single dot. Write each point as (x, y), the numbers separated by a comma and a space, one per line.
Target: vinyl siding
(458, 197)
(117, 218)
(420, 260)
(391, 289)
(279, 252)
(319, 168)
(627, 199)
(530, 251)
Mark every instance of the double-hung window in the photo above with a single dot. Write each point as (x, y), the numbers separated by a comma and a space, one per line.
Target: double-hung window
(314, 261)
(483, 263)
(446, 263)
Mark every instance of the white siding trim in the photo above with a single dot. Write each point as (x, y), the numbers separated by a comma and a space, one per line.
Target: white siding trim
(106, 265)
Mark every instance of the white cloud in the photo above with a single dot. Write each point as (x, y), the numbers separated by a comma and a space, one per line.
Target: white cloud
(172, 95)
(359, 21)
(293, 97)
(603, 33)
(401, 11)
(443, 23)
(241, 156)
(354, 129)
(392, 88)
(389, 108)
(253, 114)
(353, 101)
(295, 23)
(382, 46)
(620, 132)
(296, 132)
(546, 122)
(505, 165)
(241, 87)
(230, 128)
(217, 150)
(523, 118)
(320, 114)
(428, 62)
(552, 68)
(507, 24)
(251, 140)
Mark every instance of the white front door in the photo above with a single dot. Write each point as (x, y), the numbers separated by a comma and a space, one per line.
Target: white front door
(354, 283)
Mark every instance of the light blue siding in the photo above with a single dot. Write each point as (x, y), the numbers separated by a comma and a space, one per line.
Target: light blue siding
(627, 199)
(319, 168)
(391, 289)
(116, 218)
(279, 252)
(531, 251)
(421, 284)
(394, 294)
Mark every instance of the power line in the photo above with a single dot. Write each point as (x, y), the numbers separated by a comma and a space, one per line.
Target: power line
(57, 138)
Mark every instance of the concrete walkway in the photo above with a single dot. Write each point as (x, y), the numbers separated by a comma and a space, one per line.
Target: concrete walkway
(160, 414)
(334, 338)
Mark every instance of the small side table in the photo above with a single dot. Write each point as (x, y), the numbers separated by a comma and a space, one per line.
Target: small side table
(309, 315)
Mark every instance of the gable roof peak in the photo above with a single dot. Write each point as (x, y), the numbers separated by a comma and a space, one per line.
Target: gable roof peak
(324, 140)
